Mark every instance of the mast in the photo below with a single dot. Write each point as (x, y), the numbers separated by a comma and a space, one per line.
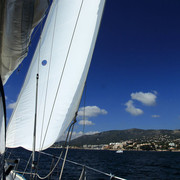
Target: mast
(35, 121)
(67, 45)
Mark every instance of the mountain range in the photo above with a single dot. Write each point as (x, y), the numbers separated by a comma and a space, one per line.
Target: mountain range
(107, 137)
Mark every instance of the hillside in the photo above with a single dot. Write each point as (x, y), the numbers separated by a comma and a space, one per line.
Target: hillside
(124, 135)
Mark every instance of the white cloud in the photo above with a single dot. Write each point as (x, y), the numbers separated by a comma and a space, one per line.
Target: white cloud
(132, 109)
(77, 134)
(91, 111)
(148, 98)
(155, 116)
(86, 122)
(11, 105)
(91, 132)
(155, 92)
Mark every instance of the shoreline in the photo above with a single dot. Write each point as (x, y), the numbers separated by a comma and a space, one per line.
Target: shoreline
(118, 149)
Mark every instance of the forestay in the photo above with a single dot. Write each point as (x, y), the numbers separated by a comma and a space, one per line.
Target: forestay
(62, 60)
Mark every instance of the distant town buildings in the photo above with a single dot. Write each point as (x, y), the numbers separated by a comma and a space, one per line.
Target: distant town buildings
(156, 144)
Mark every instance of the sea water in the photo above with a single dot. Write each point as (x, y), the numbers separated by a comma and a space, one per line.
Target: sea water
(130, 165)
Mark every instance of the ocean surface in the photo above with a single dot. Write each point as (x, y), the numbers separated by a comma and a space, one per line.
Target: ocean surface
(130, 165)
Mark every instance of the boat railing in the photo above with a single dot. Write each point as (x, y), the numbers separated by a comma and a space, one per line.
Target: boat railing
(111, 176)
(86, 167)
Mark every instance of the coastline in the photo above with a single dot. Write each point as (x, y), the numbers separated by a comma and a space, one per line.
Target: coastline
(124, 150)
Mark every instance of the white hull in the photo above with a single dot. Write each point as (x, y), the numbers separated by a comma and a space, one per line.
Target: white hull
(119, 151)
(14, 176)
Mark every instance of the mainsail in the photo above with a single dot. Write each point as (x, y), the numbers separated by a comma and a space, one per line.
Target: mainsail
(17, 21)
(59, 67)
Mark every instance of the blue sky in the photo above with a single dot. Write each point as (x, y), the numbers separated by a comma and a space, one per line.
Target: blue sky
(133, 81)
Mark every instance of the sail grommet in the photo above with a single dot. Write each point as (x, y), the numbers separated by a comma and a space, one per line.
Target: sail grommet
(44, 62)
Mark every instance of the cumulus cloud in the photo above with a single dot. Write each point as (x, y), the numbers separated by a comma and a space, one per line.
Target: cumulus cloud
(155, 116)
(155, 92)
(91, 111)
(132, 109)
(86, 122)
(148, 98)
(11, 105)
(77, 134)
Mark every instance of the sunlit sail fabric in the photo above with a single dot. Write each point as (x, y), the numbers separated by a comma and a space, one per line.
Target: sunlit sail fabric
(62, 60)
(17, 21)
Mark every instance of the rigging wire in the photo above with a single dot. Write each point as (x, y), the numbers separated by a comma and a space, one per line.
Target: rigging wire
(34, 163)
(41, 136)
(63, 67)
(54, 103)
(84, 110)
(60, 156)
(38, 74)
(82, 165)
(68, 138)
(63, 70)
(84, 113)
(71, 127)
(49, 174)
(27, 164)
(36, 107)
(41, 145)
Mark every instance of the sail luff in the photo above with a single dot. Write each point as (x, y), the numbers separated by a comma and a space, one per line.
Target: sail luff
(63, 68)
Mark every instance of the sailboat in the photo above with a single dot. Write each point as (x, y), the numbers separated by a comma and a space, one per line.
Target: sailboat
(50, 96)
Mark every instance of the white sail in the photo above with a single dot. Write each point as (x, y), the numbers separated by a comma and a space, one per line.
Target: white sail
(62, 60)
(17, 21)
